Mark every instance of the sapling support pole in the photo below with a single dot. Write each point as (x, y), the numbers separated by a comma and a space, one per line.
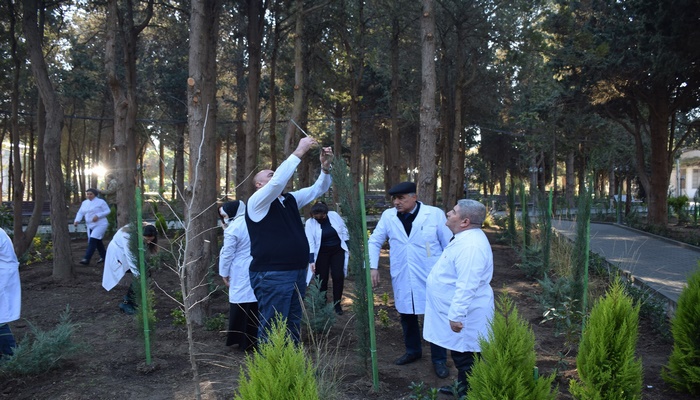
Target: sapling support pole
(144, 278)
(370, 294)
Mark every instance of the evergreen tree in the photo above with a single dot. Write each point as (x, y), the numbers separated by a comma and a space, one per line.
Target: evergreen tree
(505, 369)
(606, 363)
(683, 369)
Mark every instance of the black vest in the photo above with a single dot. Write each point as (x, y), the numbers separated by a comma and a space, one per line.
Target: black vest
(278, 241)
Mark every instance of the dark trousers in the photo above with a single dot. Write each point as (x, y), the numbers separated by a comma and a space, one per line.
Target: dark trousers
(463, 363)
(7, 340)
(413, 343)
(331, 260)
(279, 294)
(95, 244)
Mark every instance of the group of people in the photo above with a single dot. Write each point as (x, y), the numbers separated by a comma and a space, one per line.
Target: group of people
(267, 257)
(441, 266)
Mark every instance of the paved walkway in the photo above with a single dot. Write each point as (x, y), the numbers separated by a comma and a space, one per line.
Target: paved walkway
(663, 265)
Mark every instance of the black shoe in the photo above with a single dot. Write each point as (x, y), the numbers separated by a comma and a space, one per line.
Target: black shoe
(441, 370)
(407, 359)
(338, 309)
(100, 260)
(84, 261)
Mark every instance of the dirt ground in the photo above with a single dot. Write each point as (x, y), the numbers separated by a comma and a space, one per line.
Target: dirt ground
(112, 367)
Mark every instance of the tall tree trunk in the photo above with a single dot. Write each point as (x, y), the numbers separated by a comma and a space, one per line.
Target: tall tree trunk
(242, 175)
(428, 115)
(394, 160)
(62, 263)
(202, 109)
(256, 22)
(299, 84)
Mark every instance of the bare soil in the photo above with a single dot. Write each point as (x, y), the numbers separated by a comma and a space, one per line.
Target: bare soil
(113, 365)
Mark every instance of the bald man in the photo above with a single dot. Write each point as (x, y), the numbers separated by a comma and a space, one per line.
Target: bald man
(278, 243)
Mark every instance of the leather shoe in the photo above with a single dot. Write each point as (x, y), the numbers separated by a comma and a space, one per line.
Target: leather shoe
(84, 261)
(407, 359)
(441, 370)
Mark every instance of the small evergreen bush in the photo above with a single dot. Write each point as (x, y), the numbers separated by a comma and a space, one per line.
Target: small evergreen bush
(279, 370)
(44, 352)
(505, 369)
(607, 367)
(319, 314)
(683, 369)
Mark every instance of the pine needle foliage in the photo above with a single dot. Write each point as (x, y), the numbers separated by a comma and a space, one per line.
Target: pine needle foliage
(279, 370)
(45, 351)
(512, 228)
(319, 315)
(607, 367)
(579, 256)
(683, 369)
(350, 209)
(524, 217)
(505, 369)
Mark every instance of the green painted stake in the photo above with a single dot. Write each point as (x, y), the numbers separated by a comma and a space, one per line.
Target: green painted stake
(144, 283)
(370, 294)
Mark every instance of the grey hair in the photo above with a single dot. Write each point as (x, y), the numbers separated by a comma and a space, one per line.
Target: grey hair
(472, 209)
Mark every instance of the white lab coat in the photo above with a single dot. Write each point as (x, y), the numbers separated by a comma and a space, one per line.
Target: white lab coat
(118, 259)
(89, 209)
(234, 260)
(458, 289)
(313, 234)
(411, 257)
(10, 288)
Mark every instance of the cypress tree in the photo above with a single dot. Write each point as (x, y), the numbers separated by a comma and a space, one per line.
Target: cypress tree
(683, 369)
(607, 367)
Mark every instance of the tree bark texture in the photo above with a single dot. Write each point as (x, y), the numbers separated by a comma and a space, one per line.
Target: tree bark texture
(62, 262)
(428, 115)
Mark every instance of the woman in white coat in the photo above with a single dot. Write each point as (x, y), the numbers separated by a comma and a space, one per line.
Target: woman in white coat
(95, 211)
(10, 293)
(120, 260)
(328, 235)
(234, 263)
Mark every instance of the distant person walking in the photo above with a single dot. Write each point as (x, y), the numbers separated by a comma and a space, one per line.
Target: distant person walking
(10, 293)
(95, 212)
(328, 236)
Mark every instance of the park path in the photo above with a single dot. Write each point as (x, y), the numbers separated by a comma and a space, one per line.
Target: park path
(661, 264)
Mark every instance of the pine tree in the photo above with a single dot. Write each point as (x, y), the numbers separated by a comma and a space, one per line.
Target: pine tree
(606, 362)
(505, 369)
(683, 369)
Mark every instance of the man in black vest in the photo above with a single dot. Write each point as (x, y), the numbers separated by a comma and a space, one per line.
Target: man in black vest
(278, 243)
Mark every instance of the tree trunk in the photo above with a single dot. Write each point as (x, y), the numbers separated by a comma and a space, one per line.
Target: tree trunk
(570, 180)
(200, 240)
(299, 84)
(428, 117)
(256, 22)
(394, 159)
(62, 263)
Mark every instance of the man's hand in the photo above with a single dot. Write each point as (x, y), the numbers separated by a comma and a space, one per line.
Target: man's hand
(456, 326)
(313, 268)
(227, 280)
(326, 157)
(375, 277)
(305, 144)
(95, 218)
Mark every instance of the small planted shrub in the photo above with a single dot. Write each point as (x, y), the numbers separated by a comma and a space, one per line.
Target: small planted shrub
(607, 366)
(45, 351)
(318, 315)
(683, 369)
(279, 370)
(506, 367)
(216, 323)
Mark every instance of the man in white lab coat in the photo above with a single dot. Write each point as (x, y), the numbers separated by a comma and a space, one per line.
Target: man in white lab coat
(10, 293)
(460, 301)
(417, 235)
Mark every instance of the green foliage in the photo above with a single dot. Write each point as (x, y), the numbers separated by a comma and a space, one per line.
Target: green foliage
(385, 298)
(567, 317)
(580, 254)
(47, 350)
(6, 217)
(524, 217)
(683, 369)
(112, 221)
(651, 307)
(384, 319)
(531, 261)
(319, 315)
(512, 229)
(150, 304)
(161, 224)
(215, 323)
(505, 368)
(279, 370)
(607, 367)
(678, 204)
(178, 317)
(40, 250)
(420, 391)
(349, 204)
